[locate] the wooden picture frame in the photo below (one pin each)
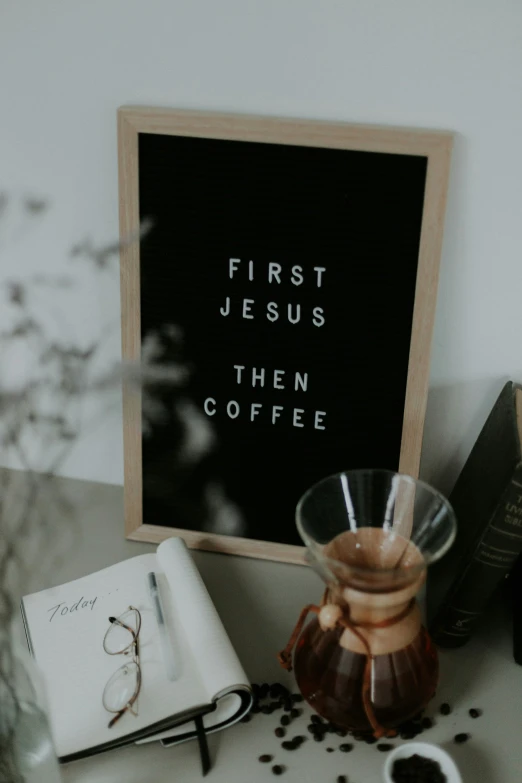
(434, 145)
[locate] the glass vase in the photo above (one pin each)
(365, 662)
(27, 753)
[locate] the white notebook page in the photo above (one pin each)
(212, 650)
(210, 646)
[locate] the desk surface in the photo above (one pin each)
(258, 603)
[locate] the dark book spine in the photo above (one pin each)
(516, 603)
(493, 558)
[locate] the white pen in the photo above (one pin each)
(166, 647)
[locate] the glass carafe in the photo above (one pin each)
(365, 662)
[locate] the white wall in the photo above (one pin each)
(66, 65)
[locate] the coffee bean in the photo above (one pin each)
(474, 713)
(295, 713)
(342, 732)
(427, 723)
(460, 738)
(263, 690)
(445, 709)
(280, 732)
(288, 745)
(297, 697)
(319, 737)
(370, 739)
(346, 747)
(411, 726)
(342, 779)
(409, 731)
(246, 718)
(278, 769)
(330, 750)
(384, 747)
(288, 705)
(265, 758)
(255, 689)
(285, 720)
(276, 690)
(255, 708)
(316, 719)
(267, 709)
(299, 739)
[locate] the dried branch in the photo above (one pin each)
(42, 419)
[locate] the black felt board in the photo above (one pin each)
(355, 214)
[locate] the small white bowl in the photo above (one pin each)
(447, 765)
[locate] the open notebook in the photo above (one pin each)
(65, 629)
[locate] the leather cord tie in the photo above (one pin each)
(285, 656)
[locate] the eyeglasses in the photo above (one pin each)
(122, 690)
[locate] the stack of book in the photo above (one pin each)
(487, 500)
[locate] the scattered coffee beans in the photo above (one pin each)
(418, 769)
(271, 697)
(410, 729)
(460, 738)
(277, 690)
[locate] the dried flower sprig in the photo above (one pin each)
(42, 419)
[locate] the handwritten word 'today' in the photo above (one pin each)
(62, 609)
